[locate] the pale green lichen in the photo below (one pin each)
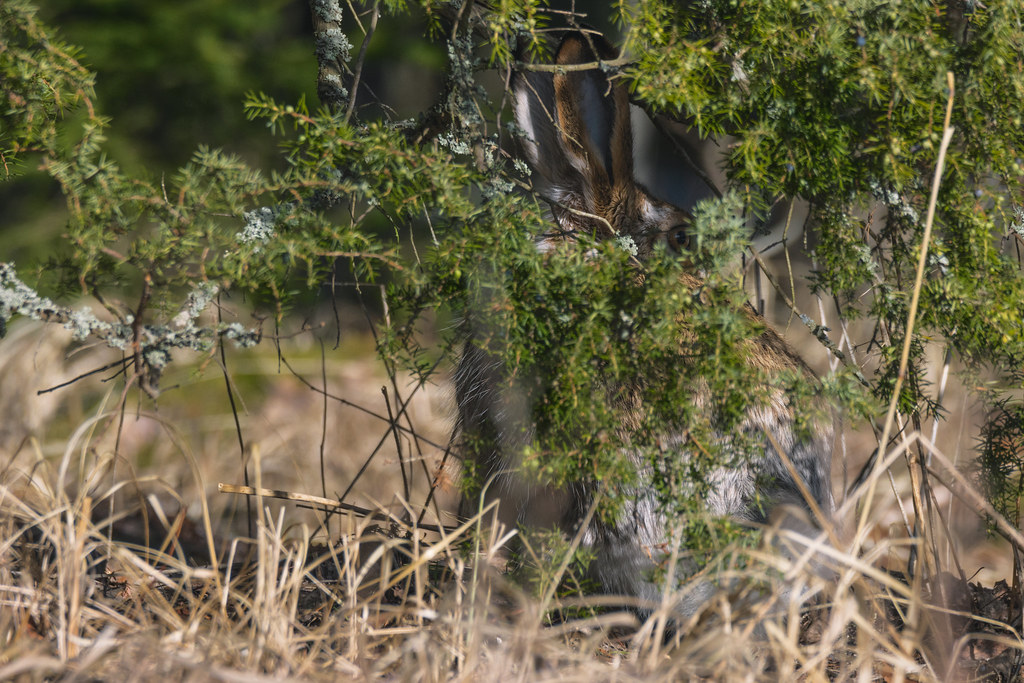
(154, 342)
(327, 10)
(332, 45)
(195, 303)
(1018, 221)
(626, 243)
(259, 228)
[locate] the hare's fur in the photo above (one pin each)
(578, 140)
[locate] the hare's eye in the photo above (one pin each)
(678, 238)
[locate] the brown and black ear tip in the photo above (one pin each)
(573, 50)
(579, 48)
(576, 130)
(594, 112)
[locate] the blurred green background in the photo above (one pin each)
(173, 75)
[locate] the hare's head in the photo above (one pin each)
(579, 140)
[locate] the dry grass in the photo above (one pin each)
(118, 560)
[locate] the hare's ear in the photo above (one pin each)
(577, 131)
(593, 116)
(535, 114)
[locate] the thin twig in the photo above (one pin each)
(566, 68)
(947, 136)
(352, 404)
(1007, 530)
(360, 62)
(323, 421)
(398, 442)
(125, 362)
(238, 424)
(328, 504)
(820, 332)
(680, 151)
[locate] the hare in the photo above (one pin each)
(579, 143)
